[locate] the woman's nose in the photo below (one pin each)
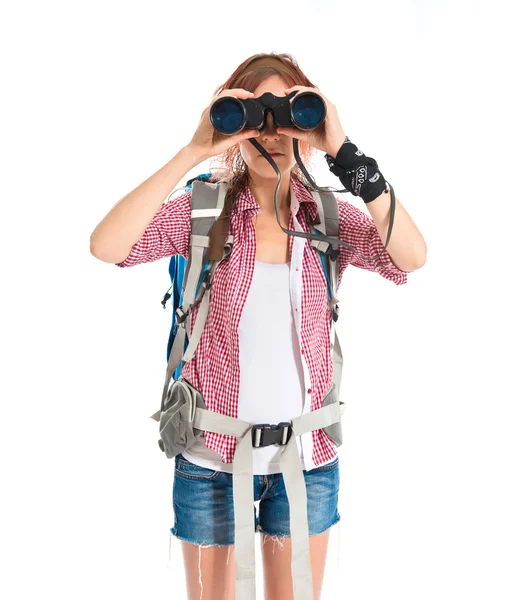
(270, 125)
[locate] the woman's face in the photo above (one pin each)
(269, 138)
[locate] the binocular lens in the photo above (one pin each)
(308, 111)
(227, 115)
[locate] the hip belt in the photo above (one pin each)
(249, 436)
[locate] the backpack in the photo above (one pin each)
(178, 263)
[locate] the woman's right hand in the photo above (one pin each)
(208, 141)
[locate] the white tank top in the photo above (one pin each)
(271, 374)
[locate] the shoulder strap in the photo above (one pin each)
(207, 202)
(177, 270)
(328, 213)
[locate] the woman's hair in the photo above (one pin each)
(231, 166)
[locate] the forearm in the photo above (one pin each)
(407, 248)
(126, 222)
(359, 173)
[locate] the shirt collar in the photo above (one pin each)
(298, 191)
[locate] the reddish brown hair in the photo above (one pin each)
(231, 166)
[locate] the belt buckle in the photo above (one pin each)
(264, 434)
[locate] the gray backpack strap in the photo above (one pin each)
(207, 201)
(328, 212)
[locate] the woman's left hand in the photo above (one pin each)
(329, 136)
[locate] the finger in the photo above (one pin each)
(292, 132)
(296, 87)
(238, 93)
(248, 133)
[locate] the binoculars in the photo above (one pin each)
(230, 115)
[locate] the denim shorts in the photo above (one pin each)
(204, 506)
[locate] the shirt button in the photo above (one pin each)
(309, 390)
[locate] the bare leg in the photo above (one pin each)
(277, 569)
(209, 571)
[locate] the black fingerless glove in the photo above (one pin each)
(357, 172)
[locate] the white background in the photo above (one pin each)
(98, 96)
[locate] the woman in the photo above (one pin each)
(269, 298)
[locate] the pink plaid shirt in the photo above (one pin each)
(214, 368)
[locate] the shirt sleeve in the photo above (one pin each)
(166, 235)
(359, 230)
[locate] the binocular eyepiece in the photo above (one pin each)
(230, 115)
